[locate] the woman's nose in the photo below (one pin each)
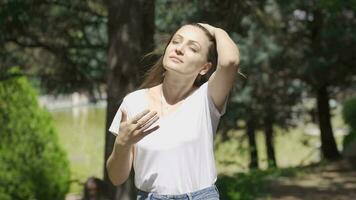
(179, 49)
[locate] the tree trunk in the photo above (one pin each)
(250, 131)
(130, 27)
(268, 129)
(147, 36)
(328, 144)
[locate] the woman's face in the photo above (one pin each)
(187, 52)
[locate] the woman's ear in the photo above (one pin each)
(205, 68)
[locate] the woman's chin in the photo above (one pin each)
(172, 66)
(174, 69)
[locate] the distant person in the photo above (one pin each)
(94, 189)
(165, 129)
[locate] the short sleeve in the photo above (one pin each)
(115, 124)
(214, 110)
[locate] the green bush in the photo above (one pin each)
(349, 116)
(349, 113)
(242, 186)
(251, 185)
(32, 164)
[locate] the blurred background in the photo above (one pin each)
(290, 127)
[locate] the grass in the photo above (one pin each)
(292, 148)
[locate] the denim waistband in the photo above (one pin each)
(209, 191)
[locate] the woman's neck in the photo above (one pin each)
(175, 90)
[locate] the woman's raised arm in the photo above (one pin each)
(222, 80)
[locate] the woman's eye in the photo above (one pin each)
(194, 50)
(174, 42)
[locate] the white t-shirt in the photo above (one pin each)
(178, 157)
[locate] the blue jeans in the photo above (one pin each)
(209, 193)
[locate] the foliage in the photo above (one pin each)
(308, 51)
(167, 21)
(349, 115)
(349, 112)
(267, 89)
(249, 186)
(32, 164)
(320, 40)
(60, 43)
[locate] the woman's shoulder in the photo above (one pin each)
(140, 95)
(202, 89)
(135, 95)
(135, 102)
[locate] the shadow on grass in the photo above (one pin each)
(249, 186)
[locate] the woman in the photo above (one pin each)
(166, 128)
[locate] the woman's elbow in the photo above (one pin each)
(116, 182)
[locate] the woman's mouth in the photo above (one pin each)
(175, 59)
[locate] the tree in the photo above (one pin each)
(320, 35)
(61, 44)
(130, 33)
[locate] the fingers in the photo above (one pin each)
(209, 27)
(139, 116)
(151, 116)
(149, 123)
(142, 131)
(143, 134)
(148, 131)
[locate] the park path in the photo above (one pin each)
(336, 181)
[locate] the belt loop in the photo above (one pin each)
(150, 196)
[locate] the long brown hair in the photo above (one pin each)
(154, 76)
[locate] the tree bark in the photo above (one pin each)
(328, 144)
(130, 33)
(147, 36)
(250, 131)
(268, 129)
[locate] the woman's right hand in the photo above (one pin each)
(132, 131)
